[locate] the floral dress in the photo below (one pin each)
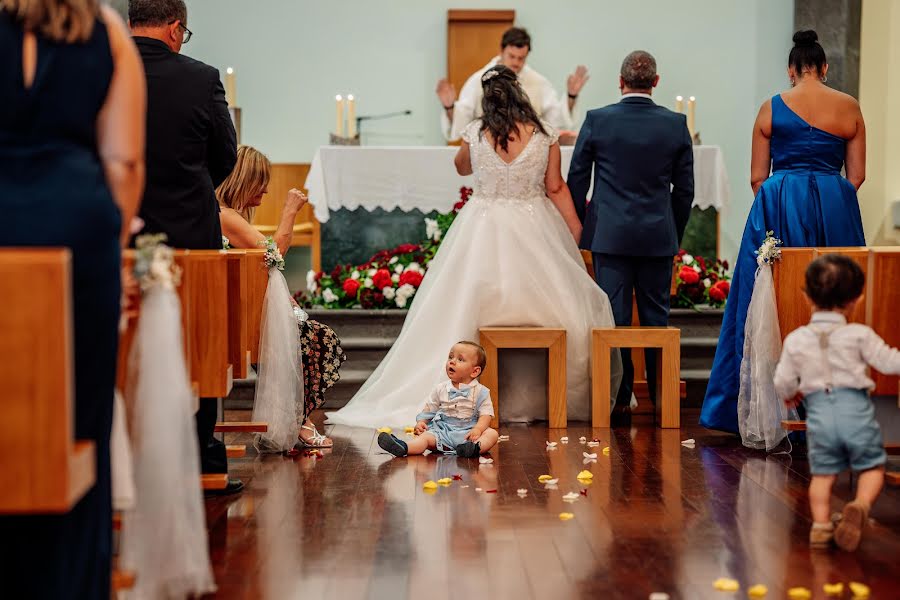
(322, 360)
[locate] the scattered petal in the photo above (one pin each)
(583, 492)
(545, 478)
(552, 482)
(758, 591)
(593, 444)
(551, 445)
(522, 492)
(564, 439)
(457, 477)
(689, 443)
(445, 481)
(430, 491)
(606, 451)
(659, 596)
(858, 590)
(566, 516)
(571, 497)
(586, 455)
(409, 430)
(464, 487)
(588, 461)
(723, 584)
(582, 439)
(385, 430)
(585, 477)
(799, 593)
(477, 489)
(503, 438)
(491, 492)
(551, 486)
(833, 589)
(429, 485)
(596, 440)
(485, 460)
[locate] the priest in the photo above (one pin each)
(514, 49)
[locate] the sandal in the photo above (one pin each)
(316, 440)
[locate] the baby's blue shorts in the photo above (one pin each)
(842, 432)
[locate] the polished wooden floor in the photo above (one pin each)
(658, 517)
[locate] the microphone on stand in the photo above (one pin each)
(401, 113)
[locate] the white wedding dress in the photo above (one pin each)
(508, 260)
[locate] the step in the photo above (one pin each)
(216, 481)
(788, 425)
(236, 451)
(241, 426)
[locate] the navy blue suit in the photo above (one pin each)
(642, 160)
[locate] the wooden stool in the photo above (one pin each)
(668, 339)
(554, 340)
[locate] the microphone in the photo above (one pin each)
(401, 113)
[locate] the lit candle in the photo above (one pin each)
(679, 104)
(339, 121)
(230, 87)
(351, 116)
(692, 115)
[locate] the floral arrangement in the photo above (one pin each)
(154, 262)
(226, 243)
(769, 251)
(389, 279)
(699, 281)
(273, 258)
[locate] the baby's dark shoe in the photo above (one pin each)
(392, 444)
(468, 449)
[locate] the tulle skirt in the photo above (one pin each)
(503, 263)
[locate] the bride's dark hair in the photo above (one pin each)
(505, 106)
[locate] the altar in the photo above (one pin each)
(423, 178)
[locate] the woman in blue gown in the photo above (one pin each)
(805, 135)
(71, 173)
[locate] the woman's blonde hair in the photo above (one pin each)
(68, 21)
(250, 175)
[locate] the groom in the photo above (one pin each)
(643, 165)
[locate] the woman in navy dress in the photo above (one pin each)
(72, 94)
(805, 136)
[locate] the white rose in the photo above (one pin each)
(371, 272)
(389, 293)
(354, 275)
(406, 290)
(328, 296)
(687, 259)
(707, 283)
(696, 268)
(398, 269)
(400, 301)
(311, 281)
(368, 282)
(393, 260)
(432, 231)
(395, 278)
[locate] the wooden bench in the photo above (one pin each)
(667, 339)
(43, 470)
(553, 340)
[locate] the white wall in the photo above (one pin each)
(292, 56)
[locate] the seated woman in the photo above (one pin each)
(238, 196)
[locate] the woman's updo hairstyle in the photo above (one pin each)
(505, 106)
(807, 55)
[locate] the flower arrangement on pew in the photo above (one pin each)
(389, 279)
(273, 258)
(700, 281)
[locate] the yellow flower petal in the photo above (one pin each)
(859, 590)
(799, 593)
(758, 591)
(430, 491)
(429, 485)
(833, 589)
(385, 430)
(409, 430)
(544, 478)
(566, 516)
(606, 451)
(586, 475)
(445, 481)
(723, 584)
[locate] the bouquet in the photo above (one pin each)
(699, 281)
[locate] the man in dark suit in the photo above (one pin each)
(643, 165)
(191, 149)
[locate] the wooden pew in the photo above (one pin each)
(42, 468)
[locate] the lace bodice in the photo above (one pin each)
(522, 179)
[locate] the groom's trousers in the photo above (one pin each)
(649, 279)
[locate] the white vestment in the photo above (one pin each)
(548, 105)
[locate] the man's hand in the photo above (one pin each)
(421, 426)
(474, 434)
(446, 93)
(577, 80)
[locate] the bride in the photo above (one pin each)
(510, 259)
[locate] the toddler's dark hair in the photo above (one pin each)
(479, 351)
(834, 281)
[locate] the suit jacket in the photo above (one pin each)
(191, 147)
(643, 166)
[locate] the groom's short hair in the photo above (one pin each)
(639, 70)
(516, 36)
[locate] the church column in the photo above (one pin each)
(838, 24)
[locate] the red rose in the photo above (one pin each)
(336, 273)
(689, 275)
(381, 279)
(413, 278)
(682, 252)
(724, 286)
(458, 206)
(405, 248)
(702, 262)
(351, 286)
(716, 294)
(320, 275)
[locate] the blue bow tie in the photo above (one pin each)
(459, 393)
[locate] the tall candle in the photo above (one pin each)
(339, 120)
(351, 116)
(230, 87)
(692, 115)
(679, 104)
